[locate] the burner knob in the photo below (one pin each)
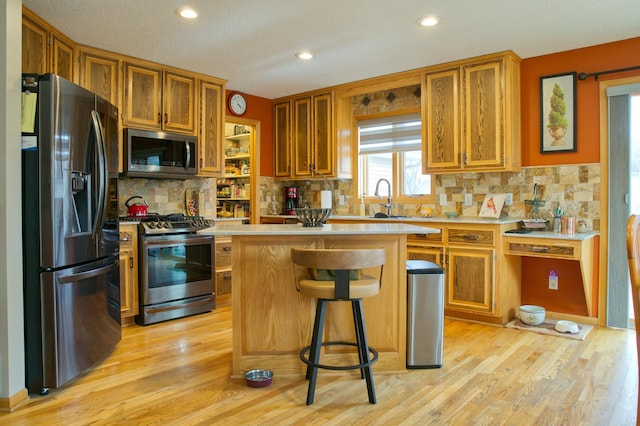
(151, 225)
(168, 225)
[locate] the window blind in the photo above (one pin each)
(390, 134)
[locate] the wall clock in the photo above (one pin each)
(237, 103)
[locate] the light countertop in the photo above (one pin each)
(335, 229)
(578, 236)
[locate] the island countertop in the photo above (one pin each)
(326, 230)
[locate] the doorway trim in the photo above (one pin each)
(604, 193)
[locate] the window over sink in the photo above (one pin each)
(390, 148)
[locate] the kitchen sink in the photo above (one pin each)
(386, 216)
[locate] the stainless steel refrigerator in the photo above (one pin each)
(70, 230)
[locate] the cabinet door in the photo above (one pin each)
(142, 96)
(34, 47)
(441, 132)
(211, 129)
(100, 75)
(323, 134)
(178, 103)
(470, 279)
(302, 149)
(282, 136)
(61, 58)
(483, 134)
(128, 271)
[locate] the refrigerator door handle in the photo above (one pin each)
(101, 208)
(72, 278)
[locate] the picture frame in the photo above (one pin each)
(558, 113)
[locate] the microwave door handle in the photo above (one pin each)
(187, 150)
(102, 171)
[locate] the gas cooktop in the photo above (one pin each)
(175, 223)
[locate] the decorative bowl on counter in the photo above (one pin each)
(451, 215)
(258, 378)
(312, 218)
(532, 314)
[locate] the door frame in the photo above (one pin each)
(604, 193)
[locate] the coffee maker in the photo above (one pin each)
(291, 195)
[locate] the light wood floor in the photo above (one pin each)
(177, 373)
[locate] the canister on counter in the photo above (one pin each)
(568, 225)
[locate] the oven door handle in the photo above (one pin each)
(172, 240)
(155, 310)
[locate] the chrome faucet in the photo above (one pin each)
(377, 194)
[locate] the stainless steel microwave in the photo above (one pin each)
(157, 154)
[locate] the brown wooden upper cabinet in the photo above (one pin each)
(211, 132)
(44, 49)
(304, 136)
(100, 73)
(471, 115)
(158, 99)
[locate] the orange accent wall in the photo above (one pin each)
(603, 57)
(621, 54)
(261, 109)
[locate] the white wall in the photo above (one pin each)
(11, 313)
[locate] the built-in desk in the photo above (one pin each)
(575, 247)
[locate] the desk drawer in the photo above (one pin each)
(556, 249)
(470, 236)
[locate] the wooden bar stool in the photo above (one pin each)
(331, 275)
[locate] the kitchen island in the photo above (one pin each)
(272, 321)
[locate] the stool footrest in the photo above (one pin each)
(304, 357)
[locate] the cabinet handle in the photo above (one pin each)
(464, 158)
(470, 237)
(540, 249)
(227, 249)
(130, 262)
(227, 276)
(159, 118)
(166, 118)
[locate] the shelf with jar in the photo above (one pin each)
(234, 189)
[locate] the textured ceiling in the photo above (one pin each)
(251, 43)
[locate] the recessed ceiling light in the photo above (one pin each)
(428, 21)
(305, 56)
(187, 12)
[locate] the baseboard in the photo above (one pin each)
(13, 402)
(575, 318)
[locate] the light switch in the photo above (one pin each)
(443, 199)
(508, 200)
(468, 199)
(341, 200)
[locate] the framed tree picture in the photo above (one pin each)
(558, 113)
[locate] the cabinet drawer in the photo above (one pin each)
(421, 238)
(223, 283)
(470, 236)
(223, 254)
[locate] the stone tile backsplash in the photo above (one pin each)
(573, 188)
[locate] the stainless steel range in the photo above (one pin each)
(175, 268)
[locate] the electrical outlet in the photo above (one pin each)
(341, 200)
(553, 281)
(508, 200)
(468, 199)
(443, 199)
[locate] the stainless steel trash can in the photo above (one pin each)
(425, 314)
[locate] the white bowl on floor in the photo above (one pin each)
(563, 326)
(532, 314)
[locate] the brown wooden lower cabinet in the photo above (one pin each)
(223, 271)
(481, 282)
(128, 273)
